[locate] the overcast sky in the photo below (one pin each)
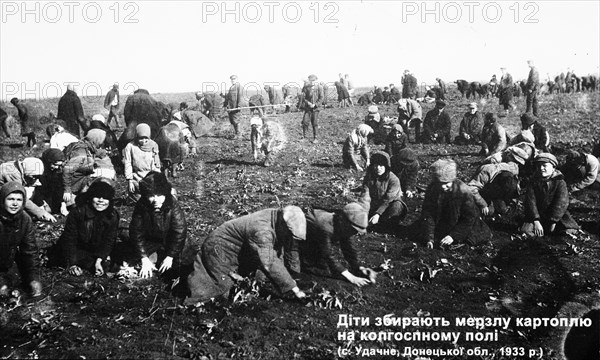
(180, 46)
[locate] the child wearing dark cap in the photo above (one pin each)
(323, 229)
(90, 230)
(405, 166)
(449, 214)
(547, 200)
(50, 193)
(158, 225)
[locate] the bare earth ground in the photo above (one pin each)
(90, 317)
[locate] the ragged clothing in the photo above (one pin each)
(257, 240)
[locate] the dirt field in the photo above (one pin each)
(90, 317)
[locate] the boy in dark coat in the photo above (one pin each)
(233, 100)
(158, 225)
(547, 200)
(323, 229)
(311, 98)
(52, 188)
(17, 241)
(449, 214)
(383, 189)
(406, 167)
(437, 125)
(257, 241)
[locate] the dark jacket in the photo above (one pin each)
(471, 124)
(89, 230)
(548, 200)
(383, 190)
(409, 86)
(167, 227)
(439, 123)
(342, 91)
(453, 213)
(71, 111)
(208, 103)
(26, 123)
(52, 188)
(442, 89)
(234, 98)
(506, 89)
(17, 242)
(310, 95)
(255, 241)
(541, 137)
(320, 237)
(393, 144)
(406, 173)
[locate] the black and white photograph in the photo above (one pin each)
(309, 180)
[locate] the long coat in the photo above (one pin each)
(409, 86)
(71, 111)
(90, 231)
(251, 240)
(453, 214)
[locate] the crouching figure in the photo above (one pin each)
(449, 213)
(265, 137)
(17, 241)
(252, 242)
(547, 200)
(324, 229)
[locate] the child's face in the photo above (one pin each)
(546, 169)
(56, 165)
(446, 186)
(157, 201)
(143, 140)
(100, 203)
(13, 203)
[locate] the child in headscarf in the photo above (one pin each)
(90, 230)
(140, 157)
(17, 240)
(158, 225)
